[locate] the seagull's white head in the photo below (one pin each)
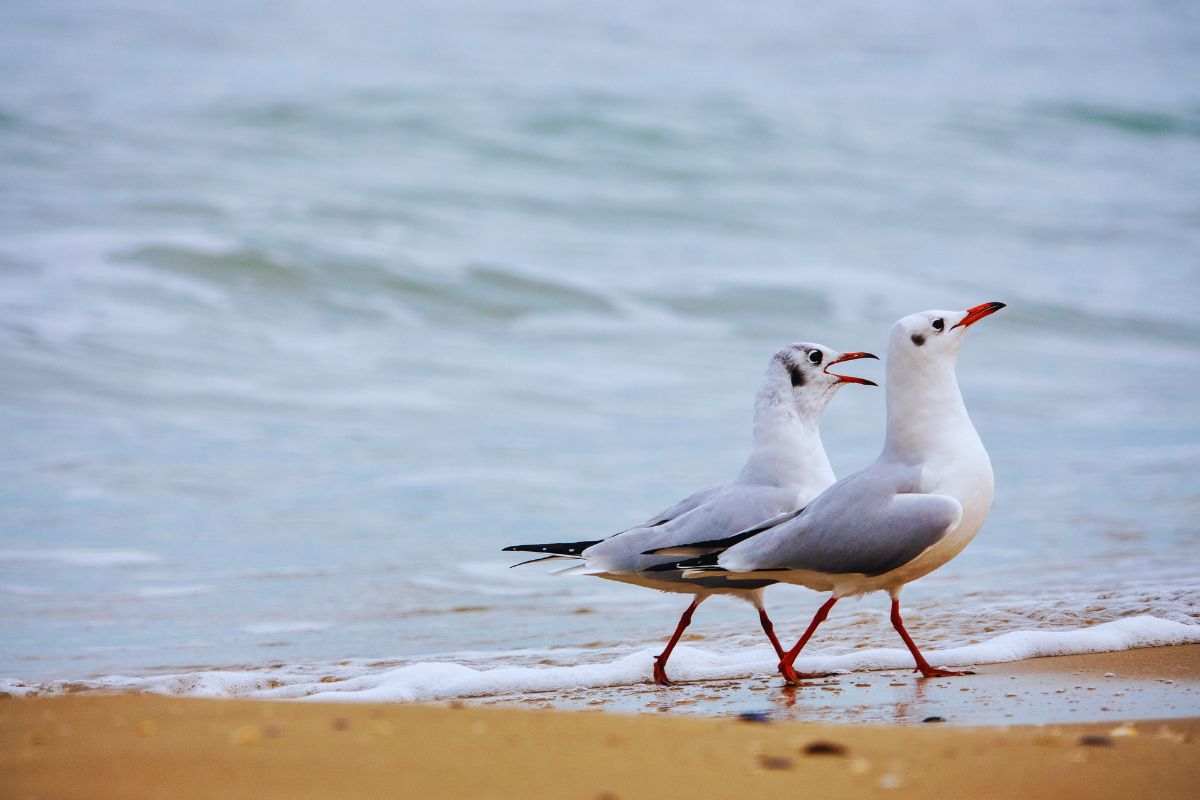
(931, 336)
(787, 416)
(806, 366)
(924, 405)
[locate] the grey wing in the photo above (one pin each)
(867, 535)
(682, 507)
(734, 507)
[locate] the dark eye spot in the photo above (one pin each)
(918, 339)
(815, 356)
(797, 375)
(939, 323)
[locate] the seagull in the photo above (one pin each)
(915, 508)
(787, 468)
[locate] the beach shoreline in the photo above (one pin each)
(121, 745)
(1140, 683)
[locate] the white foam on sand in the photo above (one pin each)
(439, 681)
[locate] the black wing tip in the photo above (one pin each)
(708, 562)
(714, 544)
(551, 548)
(711, 544)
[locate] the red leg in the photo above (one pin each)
(769, 629)
(922, 665)
(660, 660)
(789, 658)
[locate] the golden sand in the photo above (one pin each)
(137, 746)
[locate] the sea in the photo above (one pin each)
(307, 309)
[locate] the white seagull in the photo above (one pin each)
(910, 512)
(786, 469)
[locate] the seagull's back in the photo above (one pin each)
(732, 506)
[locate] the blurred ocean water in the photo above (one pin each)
(306, 310)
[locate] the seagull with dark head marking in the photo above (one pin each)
(907, 514)
(786, 469)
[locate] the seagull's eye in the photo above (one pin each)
(814, 357)
(939, 324)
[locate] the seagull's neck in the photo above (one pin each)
(787, 441)
(926, 417)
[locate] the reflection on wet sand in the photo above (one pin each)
(1138, 684)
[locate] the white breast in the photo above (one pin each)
(968, 479)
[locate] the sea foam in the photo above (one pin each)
(428, 681)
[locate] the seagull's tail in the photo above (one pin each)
(543, 558)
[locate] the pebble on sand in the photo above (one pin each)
(824, 748)
(1095, 740)
(775, 762)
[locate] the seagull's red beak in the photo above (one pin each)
(850, 378)
(977, 313)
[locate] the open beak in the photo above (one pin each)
(977, 313)
(850, 378)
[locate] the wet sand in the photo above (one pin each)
(99, 746)
(1153, 682)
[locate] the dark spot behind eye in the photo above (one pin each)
(797, 375)
(918, 339)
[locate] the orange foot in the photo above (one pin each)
(936, 672)
(791, 676)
